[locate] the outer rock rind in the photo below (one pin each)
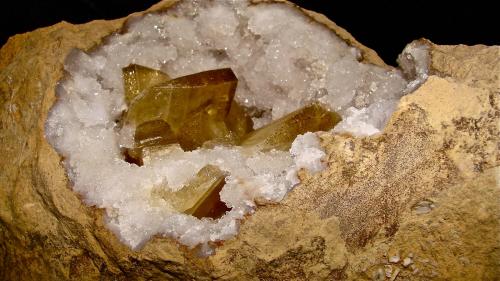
(456, 240)
(337, 225)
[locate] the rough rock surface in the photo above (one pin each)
(419, 201)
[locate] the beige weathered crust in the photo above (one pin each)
(441, 145)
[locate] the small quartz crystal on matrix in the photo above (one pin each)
(181, 123)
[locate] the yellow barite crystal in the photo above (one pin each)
(200, 197)
(280, 133)
(137, 78)
(238, 121)
(154, 133)
(176, 100)
(189, 110)
(204, 126)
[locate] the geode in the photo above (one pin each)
(289, 75)
(414, 199)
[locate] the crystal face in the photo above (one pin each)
(149, 134)
(281, 133)
(175, 100)
(204, 125)
(200, 197)
(137, 78)
(238, 121)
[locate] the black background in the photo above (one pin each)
(385, 26)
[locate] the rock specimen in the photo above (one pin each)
(425, 189)
(286, 85)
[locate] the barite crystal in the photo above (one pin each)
(239, 121)
(175, 100)
(281, 133)
(200, 197)
(204, 126)
(137, 78)
(201, 109)
(199, 104)
(150, 134)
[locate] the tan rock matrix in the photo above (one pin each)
(419, 201)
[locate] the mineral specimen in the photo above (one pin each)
(283, 61)
(441, 144)
(206, 111)
(212, 121)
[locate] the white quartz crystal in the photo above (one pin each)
(307, 154)
(283, 61)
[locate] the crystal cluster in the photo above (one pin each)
(285, 65)
(197, 109)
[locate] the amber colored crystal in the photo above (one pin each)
(176, 100)
(238, 121)
(137, 78)
(133, 155)
(200, 197)
(149, 134)
(281, 133)
(203, 126)
(152, 133)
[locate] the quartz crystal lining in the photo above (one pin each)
(283, 62)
